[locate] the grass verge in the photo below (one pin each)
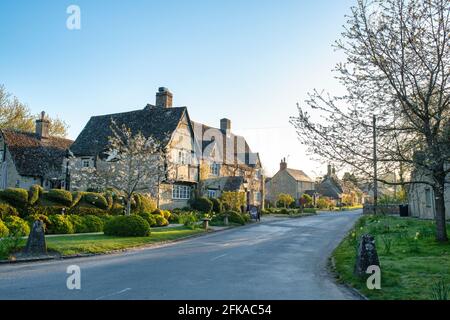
(91, 244)
(413, 265)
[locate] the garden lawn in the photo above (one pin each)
(412, 262)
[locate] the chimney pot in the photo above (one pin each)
(283, 164)
(42, 126)
(164, 98)
(225, 125)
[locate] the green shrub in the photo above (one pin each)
(4, 231)
(166, 214)
(217, 205)
(15, 196)
(174, 218)
(17, 226)
(105, 218)
(117, 209)
(60, 224)
(143, 203)
(45, 210)
(96, 199)
(76, 197)
(161, 221)
(235, 217)
(284, 211)
(7, 210)
(127, 226)
(157, 212)
(233, 200)
(77, 223)
(188, 219)
(59, 196)
(109, 199)
(309, 210)
(9, 245)
(92, 224)
(34, 193)
(202, 204)
(87, 211)
(150, 218)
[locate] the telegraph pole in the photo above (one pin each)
(375, 174)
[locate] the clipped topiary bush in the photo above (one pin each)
(96, 199)
(60, 224)
(150, 218)
(87, 211)
(59, 196)
(4, 231)
(202, 204)
(217, 205)
(17, 226)
(76, 197)
(45, 210)
(7, 210)
(77, 223)
(174, 218)
(160, 221)
(34, 193)
(17, 197)
(127, 226)
(92, 224)
(166, 214)
(109, 199)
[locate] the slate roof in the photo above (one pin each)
(33, 156)
(225, 183)
(333, 187)
(299, 175)
(241, 148)
(157, 122)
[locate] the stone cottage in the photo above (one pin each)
(288, 181)
(184, 140)
(29, 158)
(228, 164)
(338, 190)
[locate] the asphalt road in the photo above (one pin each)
(280, 258)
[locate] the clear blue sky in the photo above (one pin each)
(248, 60)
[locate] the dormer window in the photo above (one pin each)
(86, 163)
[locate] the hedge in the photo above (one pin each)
(87, 211)
(7, 210)
(17, 226)
(34, 193)
(59, 196)
(96, 199)
(60, 224)
(4, 231)
(161, 221)
(127, 226)
(202, 204)
(45, 210)
(86, 224)
(32, 218)
(235, 217)
(15, 196)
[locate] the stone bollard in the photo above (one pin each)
(225, 220)
(206, 224)
(367, 255)
(36, 244)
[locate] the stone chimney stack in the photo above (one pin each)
(225, 125)
(164, 98)
(329, 170)
(283, 164)
(42, 126)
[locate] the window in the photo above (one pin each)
(212, 193)
(215, 169)
(181, 192)
(182, 157)
(86, 163)
(428, 197)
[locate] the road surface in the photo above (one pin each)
(280, 258)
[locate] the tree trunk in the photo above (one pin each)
(128, 212)
(439, 201)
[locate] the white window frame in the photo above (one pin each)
(215, 169)
(84, 162)
(212, 193)
(181, 192)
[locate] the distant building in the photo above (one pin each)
(288, 181)
(338, 190)
(28, 158)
